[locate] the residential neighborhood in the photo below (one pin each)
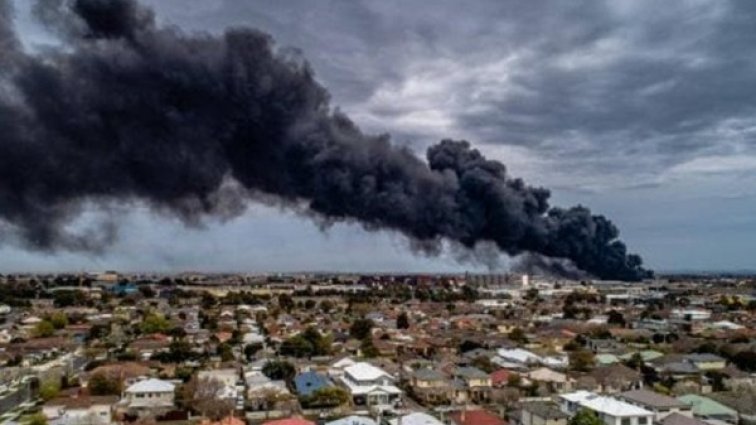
(375, 349)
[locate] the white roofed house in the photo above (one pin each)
(80, 410)
(149, 397)
(517, 358)
(610, 410)
(370, 385)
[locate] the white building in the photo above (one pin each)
(690, 314)
(370, 385)
(517, 356)
(353, 420)
(95, 410)
(415, 418)
(149, 396)
(609, 409)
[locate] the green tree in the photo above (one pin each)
(59, 320)
(581, 360)
(585, 417)
(484, 363)
(296, 346)
(361, 328)
(179, 351)
(328, 397)
(285, 302)
(101, 384)
(615, 318)
(402, 321)
(154, 323)
(279, 370)
(49, 390)
(518, 335)
(35, 419)
(208, 300)
(43, 329)
(326, 306)
(251, 349)
(368, 349)
(225, 352)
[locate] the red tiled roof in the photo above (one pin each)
(500, 377)
(476, 417)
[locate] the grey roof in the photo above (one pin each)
(680, 367)
(679, 419)
(471, 373)
(544, 410)
(704, 357)
(427, 374)
(651, 398)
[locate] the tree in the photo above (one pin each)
(361, 328)
(208, 300)
(279, 370)
(98, 331)
(36, 419)
(328, 397)
(585, 417)
(402, 322)
(635, 361)
(518, 335)
(531, 294)
(147, 291)
(208, 396)
(251, 349)
(154, 323)
(483, 363)
(59, 320)
(615, 318)
(101, 384)
(581, 360)
(326, 306)
(368, 349)
(225, 352)
(49, 390)
(296, 346)
(43, 329)
(285, 302)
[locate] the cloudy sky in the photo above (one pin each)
(644, 113)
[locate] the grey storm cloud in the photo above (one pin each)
(197, 125)
(616, 86)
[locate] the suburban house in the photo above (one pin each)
(80, 410)
(542, 413)
(662, 405)
(555, 381)
(370, 385)
(431, 386)
(475, 381)
(148, 397)
(474, 417)
(610, 410)
(707, 409)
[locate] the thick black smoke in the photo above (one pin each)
(128, 111)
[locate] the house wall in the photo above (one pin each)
(151, 399)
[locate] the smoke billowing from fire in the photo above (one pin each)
(197, 125)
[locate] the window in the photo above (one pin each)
(625, 421)
(642, 421)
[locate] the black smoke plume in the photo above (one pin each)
(128, 111)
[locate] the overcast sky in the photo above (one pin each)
(643, 113)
